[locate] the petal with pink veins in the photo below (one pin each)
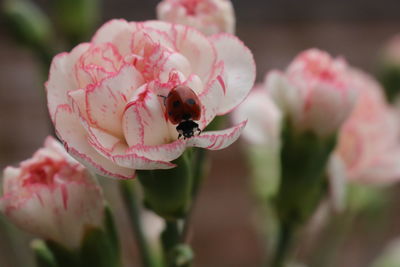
(239, 69)
(165, 152)
(105, 103)
(141, 163)
(192, 44)
(216, 140)
(144, 120)
(210, 100)
(195, 83)
(174, 62)
(97, 63)
(75, 141)
(210, 140)
(78, 101)
(116, 150)
(108, 32)
(62, 77)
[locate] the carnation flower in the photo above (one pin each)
(52, 196)
(315, 92)
(106, 98)
(208, 16)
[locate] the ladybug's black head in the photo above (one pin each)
(187, 128)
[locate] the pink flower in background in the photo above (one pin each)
(52, 196)
(369, 141)
(104, 96)
(208, 16)
(264, 118)
(314, 92)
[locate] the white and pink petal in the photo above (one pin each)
(144, 120)
(62, 77)
(216, 140)
(239, 69)
(106, 102)
(74, 138)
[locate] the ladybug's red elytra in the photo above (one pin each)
(182, 108)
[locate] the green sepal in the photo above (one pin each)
(201, 167)
(169, 192)
(63, 256)
(43, 256)
(264, 162)
(99, 248)
(77, 18)
(304, 157)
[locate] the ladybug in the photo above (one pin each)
(183, 108)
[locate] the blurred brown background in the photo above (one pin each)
(275, 30)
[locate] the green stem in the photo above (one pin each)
(171, 235)
(282, 252)
(129, 197)
(176, 253)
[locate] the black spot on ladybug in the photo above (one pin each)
(190, 101)
(186, 116)
(176, 104)
(170, 113)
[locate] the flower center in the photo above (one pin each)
(42, 172)
(191, 6)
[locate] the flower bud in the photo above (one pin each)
(53, 197)
(315, 92)
(207, 16)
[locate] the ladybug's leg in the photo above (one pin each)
(179, 136)
(199, 130)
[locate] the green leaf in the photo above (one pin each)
(77, 18)
(27, 22)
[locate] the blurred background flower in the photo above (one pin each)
(52, 196)
(369, 141)
(208, 16)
